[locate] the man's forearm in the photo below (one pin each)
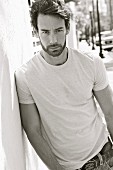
(109, 121)
(44, 151)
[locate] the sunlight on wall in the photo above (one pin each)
(15, 36)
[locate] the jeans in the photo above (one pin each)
(105, 165)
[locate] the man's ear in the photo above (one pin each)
(68, 29)
(37, 34)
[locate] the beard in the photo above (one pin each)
(55, 49)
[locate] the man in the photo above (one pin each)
(57, 90)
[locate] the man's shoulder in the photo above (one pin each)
(20, 74)
(21, 70)
(85, 55)
(26, 66)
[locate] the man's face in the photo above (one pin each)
(52, 33)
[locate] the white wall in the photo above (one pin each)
(15, 48)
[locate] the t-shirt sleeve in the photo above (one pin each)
(23, 92)
(101, 78)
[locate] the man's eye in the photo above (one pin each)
(45, 32)
(60, 30)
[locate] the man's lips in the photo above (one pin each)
(54, 47)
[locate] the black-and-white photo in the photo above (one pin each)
(56, 85)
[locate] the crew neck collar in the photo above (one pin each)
(55, 66)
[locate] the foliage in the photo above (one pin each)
(82, 16)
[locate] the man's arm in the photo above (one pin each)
(105, 100)
(31, 124)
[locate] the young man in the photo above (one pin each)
(56, 91)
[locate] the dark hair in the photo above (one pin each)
(49, 7)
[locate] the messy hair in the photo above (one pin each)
(49, 7)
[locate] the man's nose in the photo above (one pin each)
(53, 38)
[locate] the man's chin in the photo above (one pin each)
(55, 53)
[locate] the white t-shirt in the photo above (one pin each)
(63, 94)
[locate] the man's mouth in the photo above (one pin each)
(54, 47)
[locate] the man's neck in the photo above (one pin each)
(59, 60)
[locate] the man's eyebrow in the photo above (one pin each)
(59, 28)
(55, 29)
(44, 30)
